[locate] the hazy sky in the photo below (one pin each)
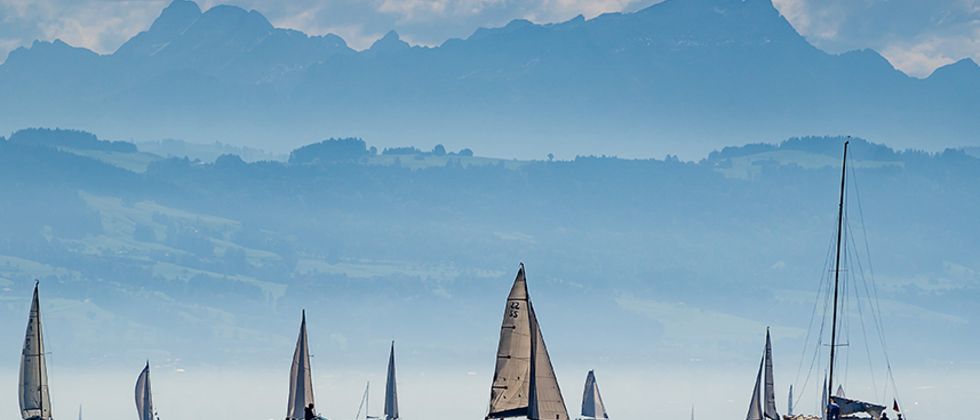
(916, 35)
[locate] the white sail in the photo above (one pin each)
(545, 401)
(770, 389)
(300, 377)
(35, 402)
(144, 395)
(755, 404)
(592, 406)
(524, 382)
(391, 388)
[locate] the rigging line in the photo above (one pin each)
(813, 314)
(845, 328)
(814, 361)
(864, 332)
(876, 302)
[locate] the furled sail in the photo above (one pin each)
(300, 377)
(592, 406)
(391, 388)
(848, 406)
(789, 403)
(770, 390)
(144, 396)
(755, 404)
(524, 382)
(35, 402)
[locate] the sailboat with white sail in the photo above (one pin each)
(592, 405)
(35, 402)
(144, 395)
(758, 410)
(301, 405)
(524, 381)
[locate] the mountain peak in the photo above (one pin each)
(176, 17)
(390, 42)
(229, 17)
(173, 21)
(966, 69)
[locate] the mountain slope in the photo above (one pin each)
(682, 76)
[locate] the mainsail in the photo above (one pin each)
(770, 390)
(756, 411)
(35, 403)
(592, 406)
(391, 389)
(300, 378)
(524, 382)
(144, 396)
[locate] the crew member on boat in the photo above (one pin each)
(310, 413)
(833, 411)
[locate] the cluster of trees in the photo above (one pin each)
(352, 149)
(73, 139)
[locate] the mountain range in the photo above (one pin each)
(681, 76)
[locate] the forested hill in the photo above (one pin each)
(230, 250)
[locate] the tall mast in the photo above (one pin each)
(840, 225)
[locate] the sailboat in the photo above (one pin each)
(391, 388)
(524, 382)
(300, 378)
(391, 394)
(35, 403)
(592, 405)
(756, 411)
(144, 395)
(846, 408)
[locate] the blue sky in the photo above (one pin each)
(915, 35)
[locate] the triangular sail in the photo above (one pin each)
(755, 404)
(770, 389)
(592, 406)
(524, 382)
(509, 392)
(144, 396)
(300, 377)
(544, 397)
(391, 388)
(35, 402)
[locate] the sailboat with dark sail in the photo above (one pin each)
(524, 381)
(391, 388)
(391, 395)
(35, 402)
